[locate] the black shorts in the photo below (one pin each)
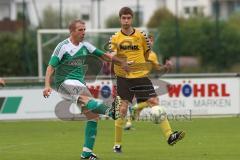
(141, 88)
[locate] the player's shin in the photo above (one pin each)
(98, 107)
(137, 108)
(164, 125)
(140, 106)
(90, 135)
(118, 130)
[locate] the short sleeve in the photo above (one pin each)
(146, 42)
(113, 43)
(93, 50)
(57, 55)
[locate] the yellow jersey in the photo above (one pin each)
(133, 48)
(153, 60)
(153, 57)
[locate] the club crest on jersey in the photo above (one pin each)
(84, 52)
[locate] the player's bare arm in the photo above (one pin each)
(166, 67)
(47, 90)
(118, 61)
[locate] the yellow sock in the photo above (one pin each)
(140, 106)
(118, 130)
(166, 129)
(129, 120)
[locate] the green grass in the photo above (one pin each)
(206, 139)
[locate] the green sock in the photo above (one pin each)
(90, 135)
(98, 107)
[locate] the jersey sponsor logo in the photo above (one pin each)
(76, 62)
(129, 47)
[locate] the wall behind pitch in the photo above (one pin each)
(196, 96)
(29, 103)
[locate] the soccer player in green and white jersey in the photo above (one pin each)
(68, 63)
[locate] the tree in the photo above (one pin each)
(13, 62)
(50, 18)
(69, 16)
(160, 15)
(112, 21)
(198, 39)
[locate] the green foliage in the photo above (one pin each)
(113, 21)
(51, 18)
(68, 17)
(159, 16)
(218, 51)
(234, 20)
(10, 55)
(18, 58)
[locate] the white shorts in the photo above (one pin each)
(71, 89)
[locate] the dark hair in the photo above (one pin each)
(150, 35)
(125, 10)
(72, 25)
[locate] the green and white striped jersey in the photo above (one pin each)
(69, 60)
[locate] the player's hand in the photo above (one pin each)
(2, 82)
(47, 91)
(168, 66)
(125, 66)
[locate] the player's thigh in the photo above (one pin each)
(143, 89)
(123, 89)
(153, 101)
(71, 89)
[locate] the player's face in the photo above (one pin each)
(126, 21)
(151, 40)
(79, 31)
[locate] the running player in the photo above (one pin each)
(133, 45)
(134, 110)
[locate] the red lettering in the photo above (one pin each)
(198, 89)
(94, 90)
(174, 90)
(212, 89)
(224, 92)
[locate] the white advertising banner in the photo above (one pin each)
(27, 103)
(202, 96)
(195, 96)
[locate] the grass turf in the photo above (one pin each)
(206, 139)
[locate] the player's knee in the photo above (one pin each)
(153, 101)
(91, 116)
(124, 108)
(119, 122)
(123, 111)
(82, 100)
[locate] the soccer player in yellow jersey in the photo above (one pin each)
(133, 45)
(153, 59)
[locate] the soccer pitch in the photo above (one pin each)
(206, 139)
